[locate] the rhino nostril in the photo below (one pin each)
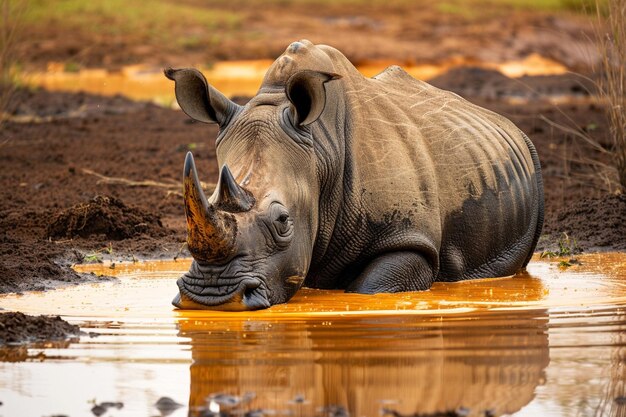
(255, 297)
(248, 293)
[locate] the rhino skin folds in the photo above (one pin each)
(332, 180)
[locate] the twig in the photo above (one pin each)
(180, 251)
(144, 183)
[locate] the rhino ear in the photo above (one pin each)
(198, 99)
(306, 92)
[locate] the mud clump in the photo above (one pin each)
(106, 216)
(477, 82)
(18, 328)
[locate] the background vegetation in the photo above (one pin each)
(11, 13)
(611, 40)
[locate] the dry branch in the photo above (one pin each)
(171, 187)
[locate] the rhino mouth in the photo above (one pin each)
(247, 293)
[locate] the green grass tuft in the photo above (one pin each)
(566, 247)
(473, 8)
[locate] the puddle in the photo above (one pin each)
(550, 342)
(244, 77)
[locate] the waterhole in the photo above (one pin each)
(549, 342)
(243, 78)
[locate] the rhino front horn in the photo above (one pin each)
(211, 233)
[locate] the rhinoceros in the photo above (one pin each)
(332, 180)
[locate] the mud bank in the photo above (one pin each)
(18, 328)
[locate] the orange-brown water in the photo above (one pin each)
(243, 77)
(550, 342)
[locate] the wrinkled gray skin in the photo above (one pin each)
(333, 180)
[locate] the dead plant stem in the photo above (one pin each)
(103, 179)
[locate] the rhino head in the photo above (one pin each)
(252, 239)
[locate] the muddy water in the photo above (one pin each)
(244, 77)
(550, 342)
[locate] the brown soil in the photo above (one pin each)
(49, 166)
(106, 216)
(604, 221)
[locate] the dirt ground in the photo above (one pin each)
(85, 178)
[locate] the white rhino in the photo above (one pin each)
(330, 179)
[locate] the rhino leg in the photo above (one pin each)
(394, 272)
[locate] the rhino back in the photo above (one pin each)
(446, 171)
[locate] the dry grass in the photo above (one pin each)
(602, 163)
(587, 161)
(11, 12)
(611, 40)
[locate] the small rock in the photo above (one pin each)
(335, 411)
(109, 404)
(255, 413)
(298, 399)
(98, 410)
(166, 405)
(208, 413)
(463, 412)
(224, 400)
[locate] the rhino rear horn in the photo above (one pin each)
(306, 92)
(211, 233)
(198, 99)
(230, 196)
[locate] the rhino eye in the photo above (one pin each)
(282, 225)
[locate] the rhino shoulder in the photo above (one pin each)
(395, 79)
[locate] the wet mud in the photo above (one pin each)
(107, 217)
(490, 84)
(17, 328)
(604, 220)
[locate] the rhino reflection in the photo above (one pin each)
(412, 364)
